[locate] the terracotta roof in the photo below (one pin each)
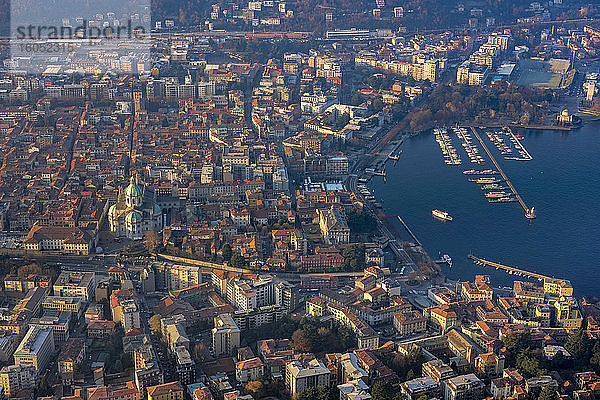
(165, 388)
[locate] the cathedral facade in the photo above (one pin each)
(135, 213)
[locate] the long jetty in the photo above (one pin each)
(509, 269)
(412, 235)
(528, 212)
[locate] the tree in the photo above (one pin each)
(580, 347)
(528, 364)
(44, 388)
(342, 120)
(354, 257)
(29, 269)
(152, 241)
(226, 252)
(548, 393)
(384, 391)
(154, 323)
(301, 342)
(516, 343)
(347, 337)
(307, 394)
(200, 351)
(595, 360)
(237, 261)
(361, 222)
(255, 388)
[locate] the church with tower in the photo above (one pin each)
(135, 213)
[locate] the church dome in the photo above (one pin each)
(133, 217)
(133, 189)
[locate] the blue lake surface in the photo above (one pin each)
(562, 181)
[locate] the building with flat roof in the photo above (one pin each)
(225, 334)
(147, 371)
(59, 303)
(354, 390)
(14, 378)
(437, 370)
(36, 348)
(300, 376)
(186, 368)
(75, 284)
(176, 276)
(415, 388)
(464, 387)
(94, 312)
(58, 321)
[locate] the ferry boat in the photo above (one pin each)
(441, 215)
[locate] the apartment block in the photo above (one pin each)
(225, 334)
(36, 348)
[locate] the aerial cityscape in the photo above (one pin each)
(300, 199)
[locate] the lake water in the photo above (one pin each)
(562, 181)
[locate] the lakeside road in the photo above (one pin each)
(352, 181)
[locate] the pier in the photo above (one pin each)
(529, 212)
(509, 269)
(394, 150)
(517, 141)
(412, 235)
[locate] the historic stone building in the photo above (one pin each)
(135, 213)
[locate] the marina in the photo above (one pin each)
(529, 212)
(442, 138)
(496, 230)
(508, 144)
(505, 141)
(467, 143)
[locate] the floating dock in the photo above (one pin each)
(529, 212)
